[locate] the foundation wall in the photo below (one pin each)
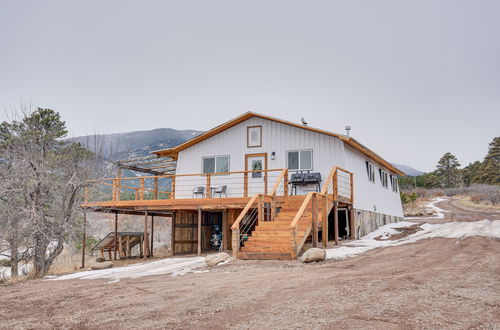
(368, 221)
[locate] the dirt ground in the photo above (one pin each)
(434, 283)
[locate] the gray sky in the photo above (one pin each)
(414, 79)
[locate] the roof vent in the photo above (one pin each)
(347, 130)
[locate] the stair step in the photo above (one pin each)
(263, 256)
(270, 233)
(268, 249)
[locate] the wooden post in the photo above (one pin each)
(84, 237)
(172, 194)
(141, 192)
(172, 235)
(224, 229)
(120, 249)
(102, 253)
(208, 191)
(141, 252)
(109, 254)
(118, 184)
(245, 184)
(199, 231)
(324, 230)
(265, 182)
(116, 233)
(336, 221)
(146, 238)
(314, 218)
(113, 191)
(285, 182)
(336, 186)
(152, 234)
(260, 210)
(352, 223)
(127, 243)
(155, 196)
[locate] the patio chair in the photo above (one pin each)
(199, 191)
(221, 190)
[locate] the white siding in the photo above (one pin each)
(280, 138)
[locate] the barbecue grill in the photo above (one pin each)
(304, 179)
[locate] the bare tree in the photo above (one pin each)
(47, 176)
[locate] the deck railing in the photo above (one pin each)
(209, 185)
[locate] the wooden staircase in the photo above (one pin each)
(277, 226)
(273, 239)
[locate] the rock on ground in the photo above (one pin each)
(102, 265)
(313, 254)
(214, 259)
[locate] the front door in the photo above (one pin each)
(255, 180)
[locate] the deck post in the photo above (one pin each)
(324, 229)
(146, 239)
(141, 245)
(285, 183)
(116, 234)
(120, 249)
(208, 190)
(119, 184)
(152, 232)
(224, 229)
(314, 218)
(155, 196)
(84, 238)
(336, 221)
(352, 223)
(199, 231)
(172, 235)
(127, 242)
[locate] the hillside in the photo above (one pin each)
(137, 143)
(409, 171)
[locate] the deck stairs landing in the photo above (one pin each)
(273, 239)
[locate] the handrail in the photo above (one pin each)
(301, 210)
(236, 223)
(329, 180)
(283, 176)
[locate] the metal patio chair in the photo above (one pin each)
(199, 191)
(221, 190)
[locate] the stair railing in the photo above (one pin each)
(242, 224)
(281, 186)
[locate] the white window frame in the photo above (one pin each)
(384, 178)
(370, 171)
(394, 183)
(299, 151)
(215, 165)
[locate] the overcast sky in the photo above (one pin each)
(414, 79)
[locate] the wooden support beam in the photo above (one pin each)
(336, 221)
(224, 229)
(102, 253)
(352, 223)
(156, 188)
(324, 229)
(172, 235)
(84, 238)
(152, 234)
(314, 219)
(208, 191)
(199, 231)
(120, 245)
(116, 234)
(109, 254)
(141, 191)
(141, 247)
(127, 242)
(146, 239)
(118, 184)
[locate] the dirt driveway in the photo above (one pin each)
(435, 283)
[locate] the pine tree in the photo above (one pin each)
(447, 169)
(490, 168)
(471, 172)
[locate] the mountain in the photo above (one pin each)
(409, 171)
(137, 143)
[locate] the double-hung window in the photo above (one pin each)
(384, 178)
(394, 183)
(370, 169)
(299, 160)
(216, 164)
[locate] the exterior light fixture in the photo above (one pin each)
(273, 155)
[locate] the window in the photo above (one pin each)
(384, 178)
(370, 169)
(299, 160)
(218, 164)
(394, 183)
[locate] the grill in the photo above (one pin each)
(304, 179)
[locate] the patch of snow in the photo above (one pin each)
(432, 205)
(173, 266)
(485, 228)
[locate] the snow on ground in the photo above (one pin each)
(432, 205)
(173, 266)
(486, 228)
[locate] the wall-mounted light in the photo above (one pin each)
(273, 155)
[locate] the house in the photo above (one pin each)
(263, 185)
